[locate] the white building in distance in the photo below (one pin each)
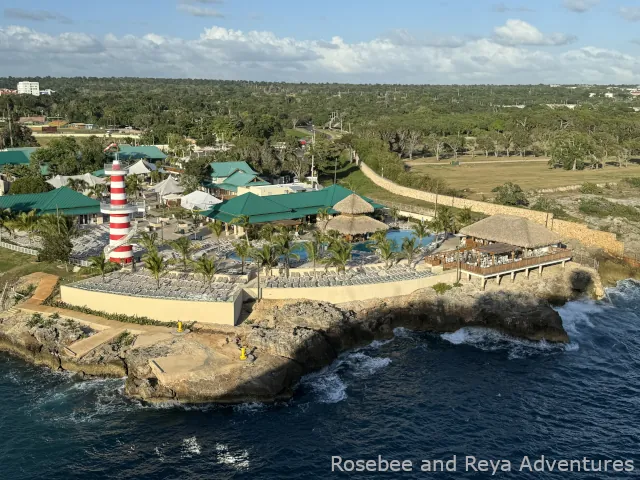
(29, 88)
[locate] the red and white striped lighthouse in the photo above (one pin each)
(119, 249)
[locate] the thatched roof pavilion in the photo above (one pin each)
(517, 231)
(353, 219)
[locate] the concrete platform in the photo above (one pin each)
(80, 348)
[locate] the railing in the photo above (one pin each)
(518, 264)
(18, 248)
(80, 262)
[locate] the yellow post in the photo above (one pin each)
(180, 329)
(243, 353)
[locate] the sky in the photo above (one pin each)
(350, 41)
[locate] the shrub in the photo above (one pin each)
(590, 188)
(633, 181)
(442, 288)
(37, 320)
(544, 204)
(601, 207)
(510, 194)
(125, 339)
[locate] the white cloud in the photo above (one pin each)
(631, 14)
(580, 6)
(261, 55)
(519, 32)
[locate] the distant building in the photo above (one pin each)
(29, 88)
(570, 106)
(592, 94)
(609, 95)
(635, 93)
(8, 91)
(48, 91)
(33, 119)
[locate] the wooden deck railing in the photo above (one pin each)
(518, 264)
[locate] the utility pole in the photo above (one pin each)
(10, 127)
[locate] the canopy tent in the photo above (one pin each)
(353, 219)
(167, 187)
(142, 167)
(63, 180)
(199, 200)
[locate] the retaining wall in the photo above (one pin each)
(165, 310)
(592, 238)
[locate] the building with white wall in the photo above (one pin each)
(29, 88)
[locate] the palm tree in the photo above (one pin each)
(98, 190)
(26, 222)
(332, 236)
(378, 237)
(285, 243)
(242, 221)
(447, 219)
(185, 248)
(437, 226)
(464, 217)
(267, 232)
(421, 231)
(323, 216)
(155, 176)
(385, 250)
(266, 257)
(409, 249)
(205, 267)
(5, 221)
(148, 240)
(216, 228)
(77, 184)
(394, 212)
(154, 262)
(339, 254)
(242, 248)
(133, 186)
(100, 263)
(312, 248)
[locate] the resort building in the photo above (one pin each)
(129, 154)
(62, 200)
(279, 189)
(29, 88)
(503, 245)
(291, 209)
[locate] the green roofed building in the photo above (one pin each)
(61, 200)
(152, 153)
(14, 157)
(226, 177)
(281, 208)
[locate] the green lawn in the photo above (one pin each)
(14, 265)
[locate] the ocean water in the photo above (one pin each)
(415, 397)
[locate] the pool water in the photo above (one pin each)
(397, 236)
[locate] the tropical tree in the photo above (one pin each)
(394, 212)
(285, 244)
(266, 257)
(323, 217)
(312, 248)
(243, 249)
(378, 237)
(98, 190)
(332, 236)
(243, 222)
(510, 194)
(77, 184)
(216, 228)
(206, 267)
(464, 217)
(26, 222)
(5, 222)
(99, 263)
(149, 240)
(421, 231)
(56, 231)
(410, 247)
(386, 251)
(338, 255)
(155, 263)
(447, 219)
(185, 248)
(267, 232)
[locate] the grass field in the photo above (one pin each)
(14, 265)
(481, 179)
(477, 158)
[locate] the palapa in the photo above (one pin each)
(513, 230)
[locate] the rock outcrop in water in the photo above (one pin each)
(287, 339)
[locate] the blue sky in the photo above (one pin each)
(404, 41)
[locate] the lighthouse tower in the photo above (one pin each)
(119, 249)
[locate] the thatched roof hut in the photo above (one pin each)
(353, 219)
(353, 205)
(512, 230)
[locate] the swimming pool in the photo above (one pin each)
(397, 236)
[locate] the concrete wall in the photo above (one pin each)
(592, 238)
(350, 293)
(165, 310)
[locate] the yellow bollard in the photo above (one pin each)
(243, 353)
(180, 329)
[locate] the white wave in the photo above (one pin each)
(238, 460)
(159, 453)
(326, 385)
(491, 340)
(626, 292)
(401, 332)
(572, 347)
(576, 316)
(190, 447)
(363, 365)
(379, 343)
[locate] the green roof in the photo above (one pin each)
(63, 200)
(127, 152)
(98, 173)
(14, 157)
(226, 169)
(280, 207)
(26, 150)
(44, 169)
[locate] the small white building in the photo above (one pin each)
(29, 88)
(609, 95)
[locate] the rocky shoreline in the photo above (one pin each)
(288, 339)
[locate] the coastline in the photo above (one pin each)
(290, 338)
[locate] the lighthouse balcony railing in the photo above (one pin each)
(109, 166)
(109, 206)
